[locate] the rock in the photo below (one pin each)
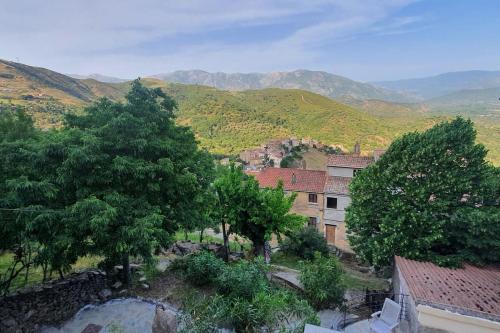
(10, 322)
(29, 314)
(105, 293)
(92, 328)
(117, 285)
(142, 279)
(145, 286)
(163, 265)
(123, 292)
(183, 248)
(165, 321)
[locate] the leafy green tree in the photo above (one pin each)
(305, 243)
(133, 174)
(269, 214)
(252, 212)
(323, 281)
(425, 198)
(31, 214)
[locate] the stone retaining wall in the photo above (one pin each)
(51, 303)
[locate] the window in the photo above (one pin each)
(313, 198)
(312, 221)
(331, 203)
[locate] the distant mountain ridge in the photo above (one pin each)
(444, 84)
(98, 77)
(228, 121)
(323, 83)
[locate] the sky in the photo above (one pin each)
(365, 40)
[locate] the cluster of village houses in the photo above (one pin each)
(274, 151)
(437, 299)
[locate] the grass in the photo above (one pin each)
(315, 159)
(354, 279)
(195, 238)
(36, 273)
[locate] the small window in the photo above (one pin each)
(331, 203)
(313, 198)
(312, 221)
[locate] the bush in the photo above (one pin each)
(244, 279)
(203, 268)
(266, 311)
(304, 243)
(323, 282)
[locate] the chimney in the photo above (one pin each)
(294, 178)
(357, 148)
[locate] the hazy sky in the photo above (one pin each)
(361, 39)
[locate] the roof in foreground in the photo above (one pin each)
(349, 161)
(339, 185)
(473, 289)
(305, 180)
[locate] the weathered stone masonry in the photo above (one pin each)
(51, 303)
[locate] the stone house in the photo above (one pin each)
(340, 171)
(253, 157)
(446, 300)
(309, 186)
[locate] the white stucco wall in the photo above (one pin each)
(337, 214)
(437, 319)
(340, 172)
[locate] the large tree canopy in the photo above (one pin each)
(431, 196)
(253, 212)
(117, 180)
(135, 175)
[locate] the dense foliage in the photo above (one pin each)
(203, 268)
(116, 181)
(323, 283)
(431, 196)
(247, 302)
(252, 212)
(305, 242)
(244, 279)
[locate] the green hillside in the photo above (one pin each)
(229, 121)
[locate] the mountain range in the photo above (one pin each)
(227, 121)
(447, 83)
(323, 83)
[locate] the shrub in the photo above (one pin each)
(203, 268)
(323, 282)
(244, 279)
(266, 311)
(305, 242)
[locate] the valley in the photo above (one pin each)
(228, 121)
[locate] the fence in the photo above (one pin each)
(362, 307)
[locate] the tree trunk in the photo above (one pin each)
(201, 235)
(126, 269)
(226, 243)
(258, 247)
(185, 234)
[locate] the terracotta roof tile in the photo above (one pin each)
(349, 161)
(338, 185)
(305, 180)
(471, 288)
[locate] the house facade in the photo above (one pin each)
(322, 196)
(340, 171)
(309, 186)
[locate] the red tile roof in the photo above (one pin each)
(473, 289)
(306, 180)
(349, 161)
(338, 185)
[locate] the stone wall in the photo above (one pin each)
(51, 303)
